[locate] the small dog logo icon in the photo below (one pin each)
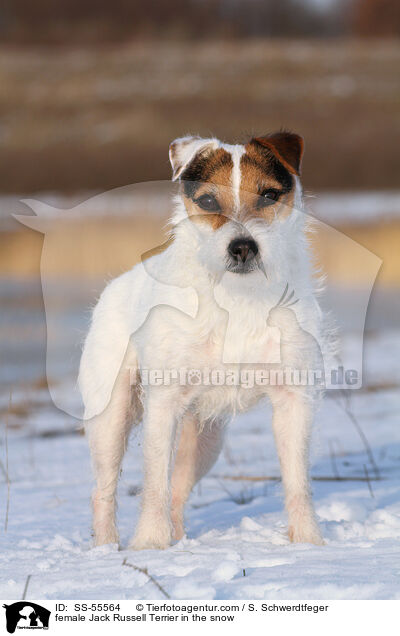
(26, 615)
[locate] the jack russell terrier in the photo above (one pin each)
(238, 240)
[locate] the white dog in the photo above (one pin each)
(238, 243)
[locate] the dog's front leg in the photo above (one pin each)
(292, 419)
(154, 529)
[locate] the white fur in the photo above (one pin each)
(229, 320)
(236, 151)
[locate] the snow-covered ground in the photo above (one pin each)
(236, 544)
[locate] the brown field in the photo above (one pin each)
(99, 249)
(99, 117)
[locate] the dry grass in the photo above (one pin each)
(149, 576)
(95, 118)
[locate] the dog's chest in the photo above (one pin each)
(236, 341)
(221, 365)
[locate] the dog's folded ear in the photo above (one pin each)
(287, 148)
(183, 150)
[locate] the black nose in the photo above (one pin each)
(242, 249)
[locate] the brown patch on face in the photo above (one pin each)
(265, 174)
(215, 166)
(209, 174)
(262, 172)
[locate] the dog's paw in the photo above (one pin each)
(148, 543)
(308, 533)
(154, 535)
(105, 537)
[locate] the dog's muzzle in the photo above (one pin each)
(242, 255)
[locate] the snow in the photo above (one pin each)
(355, 207)
(236, 544)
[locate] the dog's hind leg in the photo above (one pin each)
(108, 436)
(198, 451)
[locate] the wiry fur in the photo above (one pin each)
(229, 320)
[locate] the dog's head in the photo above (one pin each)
(241, 199)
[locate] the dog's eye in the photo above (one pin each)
(268, 197)
(208, 202)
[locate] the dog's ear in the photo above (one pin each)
(183, 150)
(287, 148)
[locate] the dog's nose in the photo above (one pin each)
(242, 249)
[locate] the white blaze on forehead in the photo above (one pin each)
(236, 151)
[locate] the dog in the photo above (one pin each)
(238, 241)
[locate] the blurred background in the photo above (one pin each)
(92, 93)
